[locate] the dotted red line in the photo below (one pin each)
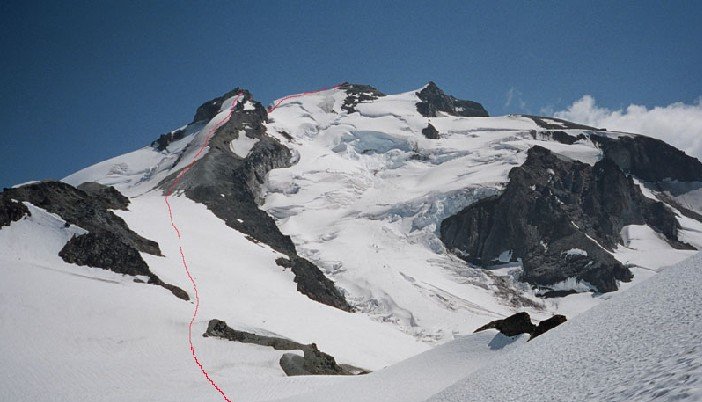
(283, 99)
(180, 175)
(177, 231)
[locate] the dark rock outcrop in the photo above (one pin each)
(220, 329)
(109, 243)
(107, 195)
(430, 132)
(209, 109)
(560, 136)
(229, 185)
(312, 282)
(520, 323)
(78, 207)
(649, 159)
(434, 100)
(358, 93)
(108, 251)
(314, 361)
(105, 250)
(516, 324)
(559, 217)
(548, 324)
(11, 210)
(560, 124)
(166, 139)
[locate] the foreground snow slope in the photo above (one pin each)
(643, 344)
(419, 377)
(78, 333)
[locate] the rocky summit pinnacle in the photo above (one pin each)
(434, 100)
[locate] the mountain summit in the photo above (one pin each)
(338, 232)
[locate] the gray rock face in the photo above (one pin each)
(312, 282)
(558, 216)
(11, 211)
(358, 93)
(430, 132)
(434, 100)
(108, 251)
(107, 195)
(314, 361)
(649, 159)
(82, 209)
(230, 186)
(105, 250)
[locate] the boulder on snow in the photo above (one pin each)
(548, 324)
(312, 362)
(520, 323)
(516, 324)
(430, 132)
(108, 251)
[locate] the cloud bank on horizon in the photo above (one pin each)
(678, 124)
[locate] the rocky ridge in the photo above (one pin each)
(229, 184)
(109, 243)
(559, 218)
(433, 100)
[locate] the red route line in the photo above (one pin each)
(283, 99)
(180, 175)
(177, 231)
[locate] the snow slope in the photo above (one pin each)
(419, 377)
(78, 333)
(642, 344)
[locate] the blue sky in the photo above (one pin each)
(84, 81)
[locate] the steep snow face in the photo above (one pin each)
(365, 196)
(138, 172)
(641, 345)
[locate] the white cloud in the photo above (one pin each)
(515, 96)
(678, 124)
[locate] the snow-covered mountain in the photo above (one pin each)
(380, 228)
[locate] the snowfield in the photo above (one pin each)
(641, 345)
